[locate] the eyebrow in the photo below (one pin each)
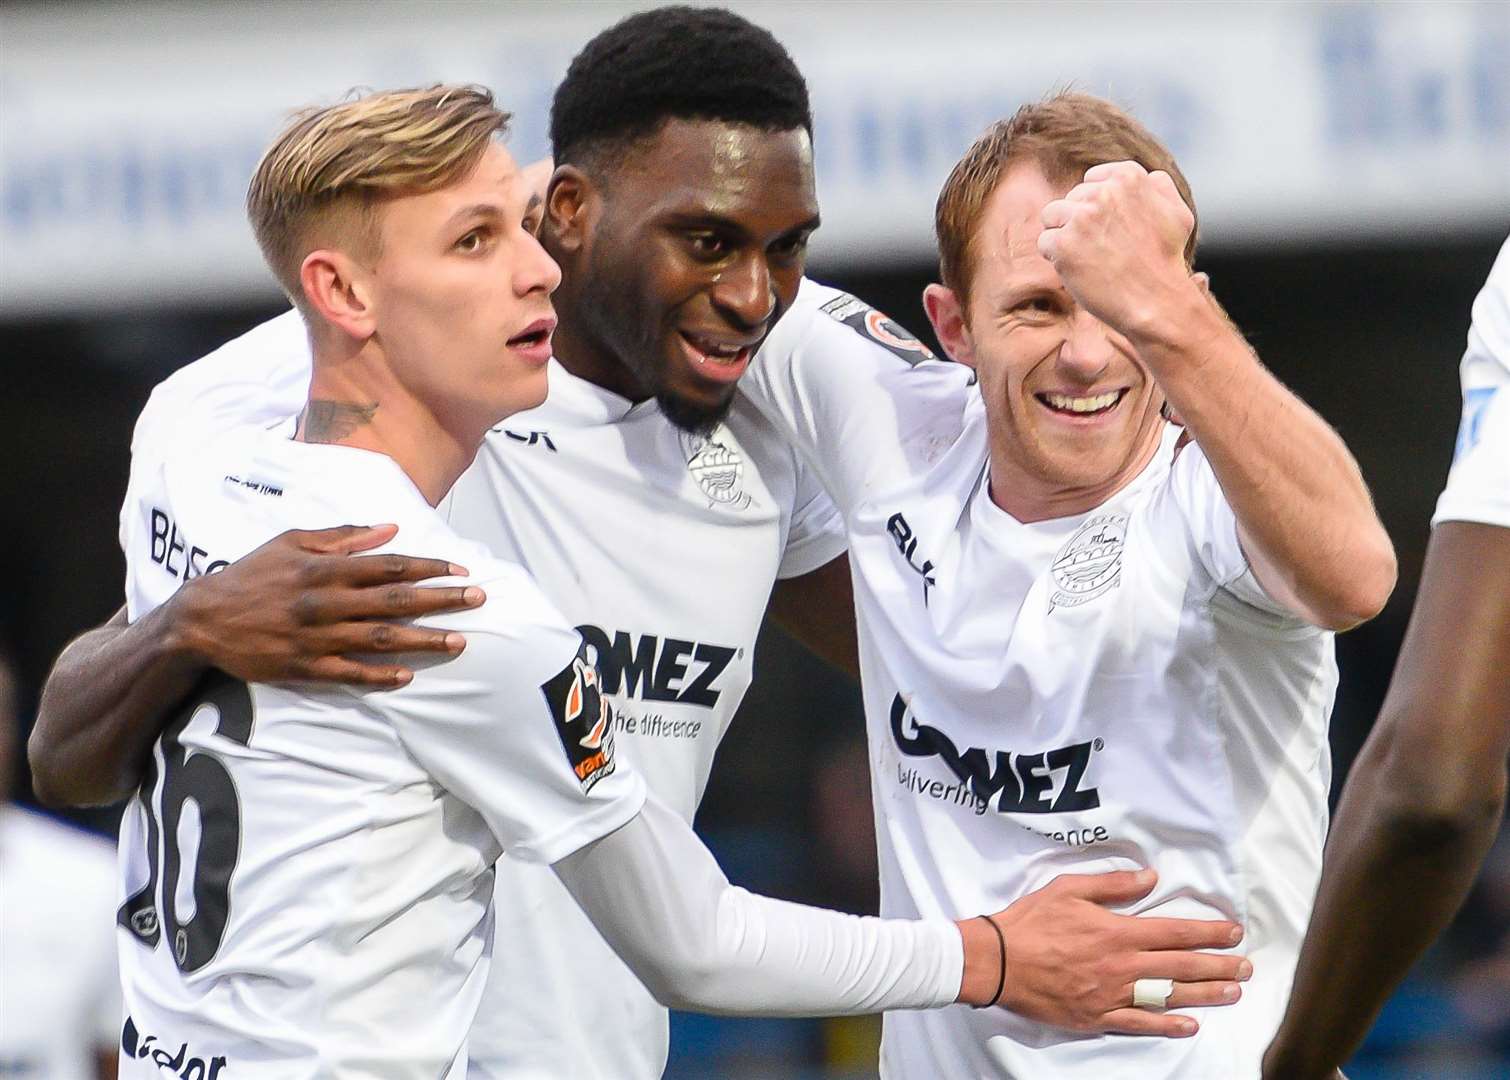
(475, 210)
(1025, 290)
(534, 204)
(693, 219)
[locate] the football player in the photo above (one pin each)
(1085, 647)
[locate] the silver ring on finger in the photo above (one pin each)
(1152, 993)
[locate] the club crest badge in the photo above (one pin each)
(718, 467)
(1090, 563)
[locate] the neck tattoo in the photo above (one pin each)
(332, 421)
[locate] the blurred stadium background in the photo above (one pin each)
(1352, 166)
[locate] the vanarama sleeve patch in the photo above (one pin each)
(885, 332)
(575, 697)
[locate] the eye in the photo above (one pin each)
(791, 247)
(709, 246)
(473, 241)
(532, 222)
(1036, 305)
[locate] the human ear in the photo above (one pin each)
(337, 290)
(568, 207)
(947, 314)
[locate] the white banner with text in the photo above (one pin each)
(128, 132)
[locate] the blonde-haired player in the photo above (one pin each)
(309, 871)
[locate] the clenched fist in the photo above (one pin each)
(1118, 241)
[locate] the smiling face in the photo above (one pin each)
(695, 247)
(461, 290)
(1073, 413)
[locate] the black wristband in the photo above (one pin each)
(1001, 981)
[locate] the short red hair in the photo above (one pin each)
(1065, 134)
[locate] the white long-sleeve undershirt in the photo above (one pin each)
(699, 943)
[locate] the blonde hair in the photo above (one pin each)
(1065, 134)
(324, 174)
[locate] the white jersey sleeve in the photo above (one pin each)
(1478, 487)
(815, 536)
(698, 942)
(1212, 530)
(856, 394)
(517, 727)
(259, 380)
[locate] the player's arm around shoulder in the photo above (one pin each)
(848, 386)
(516, 724)
(1304, 515)
(300, 608)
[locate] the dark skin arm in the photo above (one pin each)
(1420, 810)
(818, 610)
(291, 611)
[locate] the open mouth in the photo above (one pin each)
(536, 334)
(716, 360)
(708, 350)
(1082, 406)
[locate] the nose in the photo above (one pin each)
(1087, 349)
(536, 271)
(744, 292)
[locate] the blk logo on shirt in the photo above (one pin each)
(530, 438)
(902, 536)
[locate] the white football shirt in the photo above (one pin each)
(1478, 487)
(308, 872)
(1104, 691)
(60, 997)
(662, 548)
